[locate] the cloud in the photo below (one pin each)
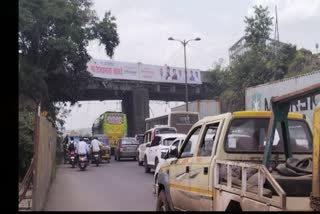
(289, 11)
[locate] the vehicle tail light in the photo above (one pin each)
(152, 136)
(72, 153)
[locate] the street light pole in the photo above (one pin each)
(185, 73)
(184, 43)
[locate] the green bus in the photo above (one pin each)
(111, 124)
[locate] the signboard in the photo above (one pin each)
(108, 69)
(115, 119)
(258, 97)
(113, 70)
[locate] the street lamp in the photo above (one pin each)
(184, 43)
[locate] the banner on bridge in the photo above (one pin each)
(108, 69)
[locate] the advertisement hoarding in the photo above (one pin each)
(108, 69)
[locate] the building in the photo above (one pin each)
(240, 48)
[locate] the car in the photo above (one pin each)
(126, 148)
(159, 145)
(149, 136)
(220, 165)
(175, 145)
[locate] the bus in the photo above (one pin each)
(181, 120)
(113, 125)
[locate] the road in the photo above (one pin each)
(118, 186)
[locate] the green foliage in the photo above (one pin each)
(258, 28)
(53, 36)
(261, 63)
(26, 125)
(106, 31)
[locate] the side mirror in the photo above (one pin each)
(165, 155)
(157, 140)
(173, 152)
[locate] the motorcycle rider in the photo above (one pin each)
(82, 148)
(65, 148)
(95, 145)
(71, 146)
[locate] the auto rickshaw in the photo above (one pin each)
(105, 149)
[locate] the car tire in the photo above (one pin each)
(115, 157)
(162, 202)
(146, 167)
(156, 162)
(155, 187)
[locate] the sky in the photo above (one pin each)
(144, 27)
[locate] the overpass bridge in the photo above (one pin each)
(140, 85)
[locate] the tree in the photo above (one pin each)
(53, 36)
(258, 28)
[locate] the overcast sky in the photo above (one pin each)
(144, 27)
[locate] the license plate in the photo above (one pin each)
(95, 156)
(72, 158)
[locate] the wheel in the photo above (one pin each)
(108, 161)
(115, 157)
(72, 164)
(162, 203)
(146, 167)
(155, 187)
(139, 162)
(119, 158)
(97, 163)
(156, 163)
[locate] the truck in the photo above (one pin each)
(257, 98)
(204, 107)
(246, 161)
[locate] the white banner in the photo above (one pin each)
(108, 69)
(113, 70)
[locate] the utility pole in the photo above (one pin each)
(276, 34)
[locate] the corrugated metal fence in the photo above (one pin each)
(44, 157)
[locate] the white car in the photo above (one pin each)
(148, 137)
(160, 144)
(176, 144)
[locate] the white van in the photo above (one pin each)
(159, 145)
(149, 136)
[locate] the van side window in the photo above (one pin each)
(206, 145)
(188, 147)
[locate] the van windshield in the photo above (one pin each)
(168, 141)
(169, 130)
(249, 135)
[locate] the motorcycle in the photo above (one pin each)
(96, 158)
(83, 161)
(72, 158)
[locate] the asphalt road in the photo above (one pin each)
(118, 186)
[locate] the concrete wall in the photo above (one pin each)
(45, 154)
(135, 105)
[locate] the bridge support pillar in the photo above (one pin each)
(135, 105)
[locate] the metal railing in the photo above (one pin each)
(27, 180)
(242, 190)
